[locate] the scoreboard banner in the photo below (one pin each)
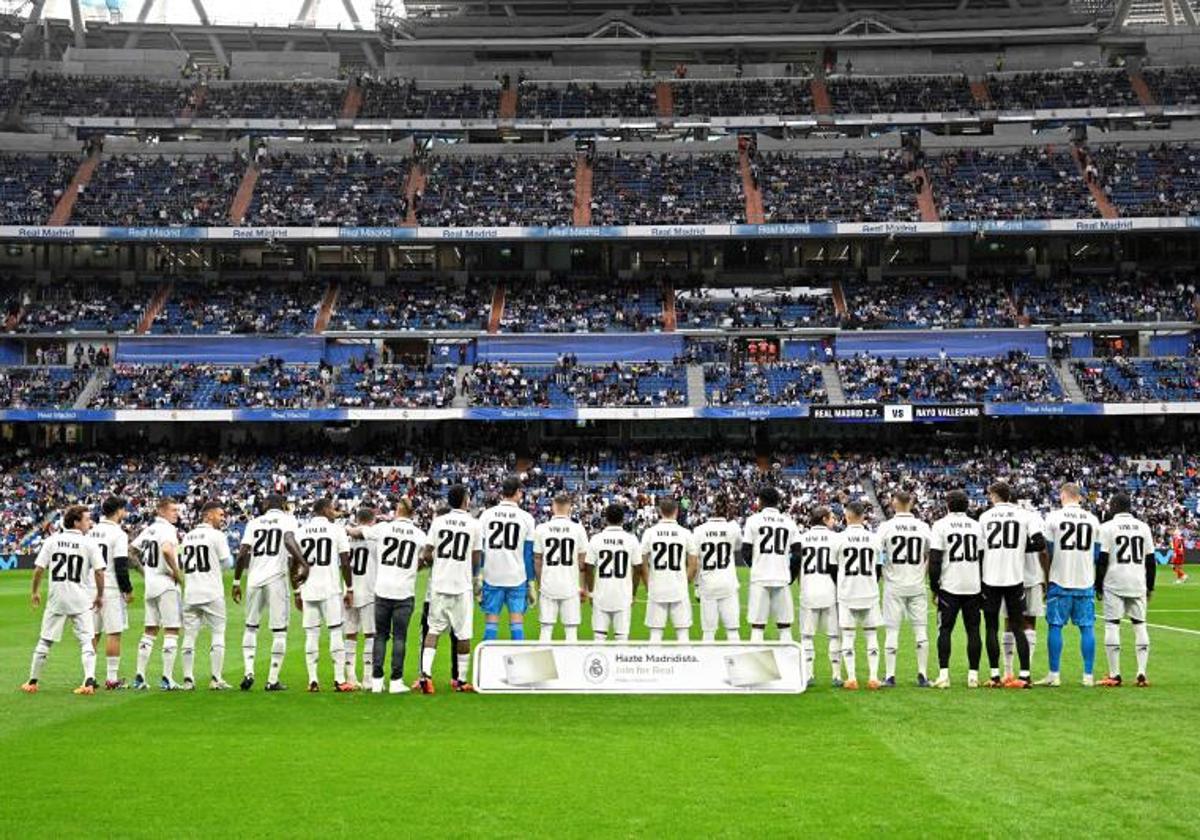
(503, 667)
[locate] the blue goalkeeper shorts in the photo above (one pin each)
(496, 598)
(1075, 605)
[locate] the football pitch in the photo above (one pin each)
(1049, 762)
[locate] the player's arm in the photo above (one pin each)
(1102, 560)
(99, 573)
(1151, 571)
(935, 570)
(35, 596)
(121, 568)
(747, 546)
(585, 584)
(426, 556)
(531, 574)
(793, 562)
(135, 555)
(240, 565)
(347, 576)
(297, 566)
(169, 551)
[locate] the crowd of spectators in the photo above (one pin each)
(41, 387)
(575, 101)
(54, 95)
(1025, 183)
(364, 384)
(1144, 297)
(578, 307)
(1161, 180)
(80, 304)
(928, 303)
(848, 188)
(239, 307)
(329, 189)
(568, 383)
(1058, 89)
(666, 188)
(136, 190)
(754, 308)
(1121, 379)
(900, 94)
(776, 383)
(266, 384)
(30, 186)
(404, 99)
(1173, 85)
(742, 97)
(497, 191)
(273, 100)
(1015, 377)
(424, 304)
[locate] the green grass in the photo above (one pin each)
(908, 762)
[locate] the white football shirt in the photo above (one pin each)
(614, 552)
(718, 544)
(268, 555)
(904, 543)
(399, 545)
(364, 562)
(771, 535)
(1128, 542)
(1034, 576)
(71, 558)
(152, 541)
(454, 537)
(201, 554)
(1073, 535)
(960, 539)
(562, 544)
(1006, 535)
(507, 530)
(113, 543)
(666, 547)
(818, 589)
(323, 543)
(857, 558)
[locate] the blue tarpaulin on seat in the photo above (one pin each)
(11, 353)
(591, 349)
(956, 344)
(223, 350)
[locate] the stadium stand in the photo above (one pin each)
(497, 191)
(779, 383)
(582, 307)
(1013, 378)
(585, 101)
(331, 189)
(849, 188)
(1161, 180)
(412, 305)
(30, 185)
(567, 383)
(900, 95)
(1058, 89)
(666, 189)
(1139, 380)
(135, 190)
(1026, 183)
(405, 99)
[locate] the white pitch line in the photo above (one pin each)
(1156, 612)
(1176, 629)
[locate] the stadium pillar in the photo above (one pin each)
(77, 25)
(29, 32)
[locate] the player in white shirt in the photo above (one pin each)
(155, 548)
(456, 541)
(718, 544)
(113, 618)
(1125, 581)
(769, 542)
(360, 615)
(559, 555)
(1037, 565)
(669, 565)
(76, 590)
(818, 592)
(612, 559)
(1008, 535)
(202, 556)
(904, 543)
(270, 551)
(1073, 542)
(401, 548)
(955, 553)
(507, 562)
(856, 556)
(326, 549)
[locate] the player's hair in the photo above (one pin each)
(510, 487)
(275, 501)
(1119, 503)
(323, 504)
(165, 502)
(667, 506)
(73, 515)
(769, 496)
(563, 500)
(856, 509)
(1000, 490)
(404, 506)
(457, 496)
(614, 514)
(112, 504)
(366, 513)
(956, 501)
(721, 507)
(210, 505)
(902, 499)
(818, 516)
(1072, 489)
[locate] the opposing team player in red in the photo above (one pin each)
(1178, 555)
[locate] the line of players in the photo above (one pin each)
(360, 579)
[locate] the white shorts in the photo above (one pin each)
(456, 612)
(812, 619)
(897, 607)
(658, 613)
(361, 620)
(1035, 600)
(210, 614)
(867, 617)
(767, 602)
(328, 612)
(52, 626)
(723, 612)
(1117, 607)
(113, 615)
(566, 610)
(164, 611)
(618, 620)
(274, 596)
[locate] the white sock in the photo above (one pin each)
(808, 653)
(40, 651)
(249, 649)
(922, 634)
(427, 657)
(368, 658)
(873, 654)
(87, 653)
(1112, 647)
(145, 646)
(312, 650)
(1141, 640)
(464, 663)
(571, 632)
(620, 637)
(756, 634)
(891, 641)
(973, 675)
(278, 649)
(189, 657)
(848, 654)
(943, 673)
(337, 652)
(656, 634)
(216, 655)
(169, 651)
(733, 634)
(112, 668)
(708, 635)
(835, 657)
(351, 657)
(1031, 638)
(681, 634)
(785, 632)
(1010, 651)
(546, 633)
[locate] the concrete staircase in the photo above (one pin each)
(750, 190)
(839, 299)
(664, 101)
(670, 318)
(61, 215)
(98, 380)
(695, 386)
(1106, 208)
(508, 103)
(414, 185)
(983, 96)
(582, 215)
(460, 399)
(11, 321)
(497, 314)
(1070, 385)
(1138, 82)
(822, 102)
(244, 195)
(352, 103)
(155, 308)
(195, 101)
(328, 303)
(833, 383)
(926, 203)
